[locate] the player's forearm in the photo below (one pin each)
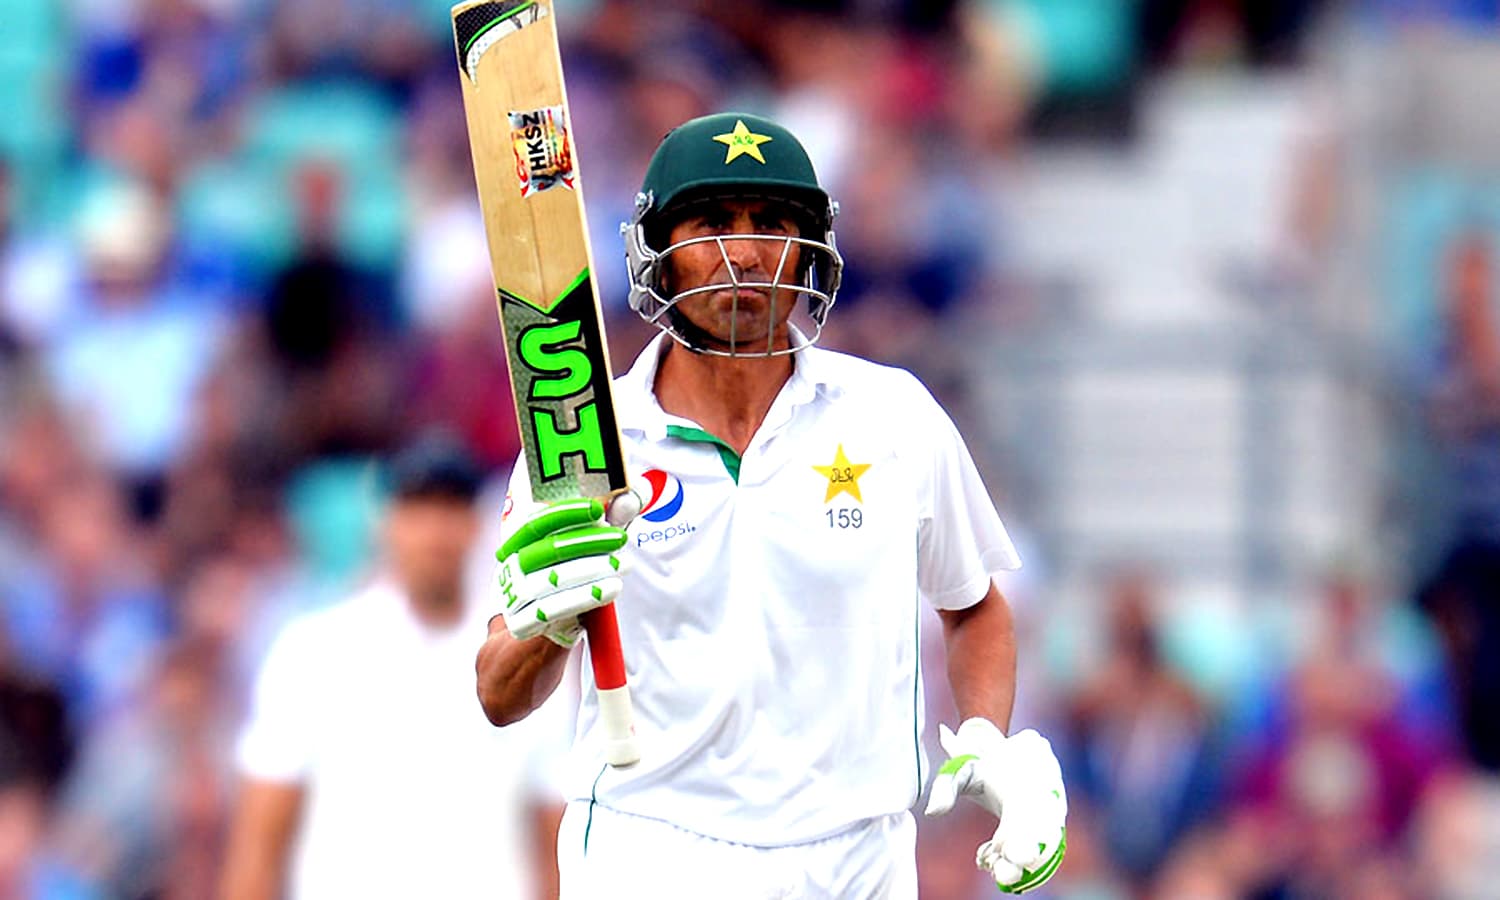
(515, 677)
(260, 841)
(981, 643)
(247, 879)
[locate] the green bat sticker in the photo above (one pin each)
(557, 359)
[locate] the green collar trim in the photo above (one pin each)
(730, 458)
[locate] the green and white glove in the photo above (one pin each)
(1019, 780)
(559, 563)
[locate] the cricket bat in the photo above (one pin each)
(524, 164)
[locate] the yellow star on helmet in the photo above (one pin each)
(843, 476)
(742, 142)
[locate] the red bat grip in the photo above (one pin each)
(615, 713)
(604, 647)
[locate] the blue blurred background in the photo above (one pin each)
(1210, 285)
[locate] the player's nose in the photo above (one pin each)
(744, 254)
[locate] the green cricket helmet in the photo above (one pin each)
(732, 156)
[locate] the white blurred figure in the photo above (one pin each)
(128, 365)
(368, 768)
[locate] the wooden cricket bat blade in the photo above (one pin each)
(521, 140)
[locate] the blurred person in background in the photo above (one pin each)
(326, 323)
(1330, 779)
(1141, 749)
(368, 769)
(1463, 406)
(144, 810)
(83, 608)
(1455, 839)
(36, 750)
(127, 366)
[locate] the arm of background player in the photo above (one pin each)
(546, 818)
(260, 840)
(981, 644)
(515, 677)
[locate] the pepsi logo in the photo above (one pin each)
(666, 496)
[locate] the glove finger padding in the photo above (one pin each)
(549, 519)
(1013, 879)
(1024, 835)
(558, 563)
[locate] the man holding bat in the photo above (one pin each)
(797, 507)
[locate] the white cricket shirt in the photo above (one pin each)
(408, 790)
(770, 620)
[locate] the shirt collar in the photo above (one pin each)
(637, 409)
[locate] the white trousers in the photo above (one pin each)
(629, 857)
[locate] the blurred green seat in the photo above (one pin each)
(33, 114)
(33, 135)
(32, 31)
(348, 123)
(251, 207)
(32, 110)
(249, 200)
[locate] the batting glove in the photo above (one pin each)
(559, 563)
(1018, 779)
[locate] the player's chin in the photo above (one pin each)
(749, 334)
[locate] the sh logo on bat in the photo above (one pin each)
(562, 374)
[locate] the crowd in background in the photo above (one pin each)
(241, 261)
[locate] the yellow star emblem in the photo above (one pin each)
(742, 142)
(843, 476)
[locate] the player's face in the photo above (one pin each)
(428, 539)
(742, 317)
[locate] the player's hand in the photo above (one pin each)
(558, 563)
(1018, 779)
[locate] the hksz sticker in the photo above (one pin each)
(544, 149)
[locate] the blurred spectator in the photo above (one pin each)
(36, 749)
(83, 610)
(149, 822)
(1457, 836)
(368, 767)
(1256, 32)
(1338, 766)
(127, 368)
(1464, 408)
(1142, 751)
(324, 324)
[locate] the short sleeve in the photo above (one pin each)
(276, 741)
(962, 544)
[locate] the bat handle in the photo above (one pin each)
(615, 711)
